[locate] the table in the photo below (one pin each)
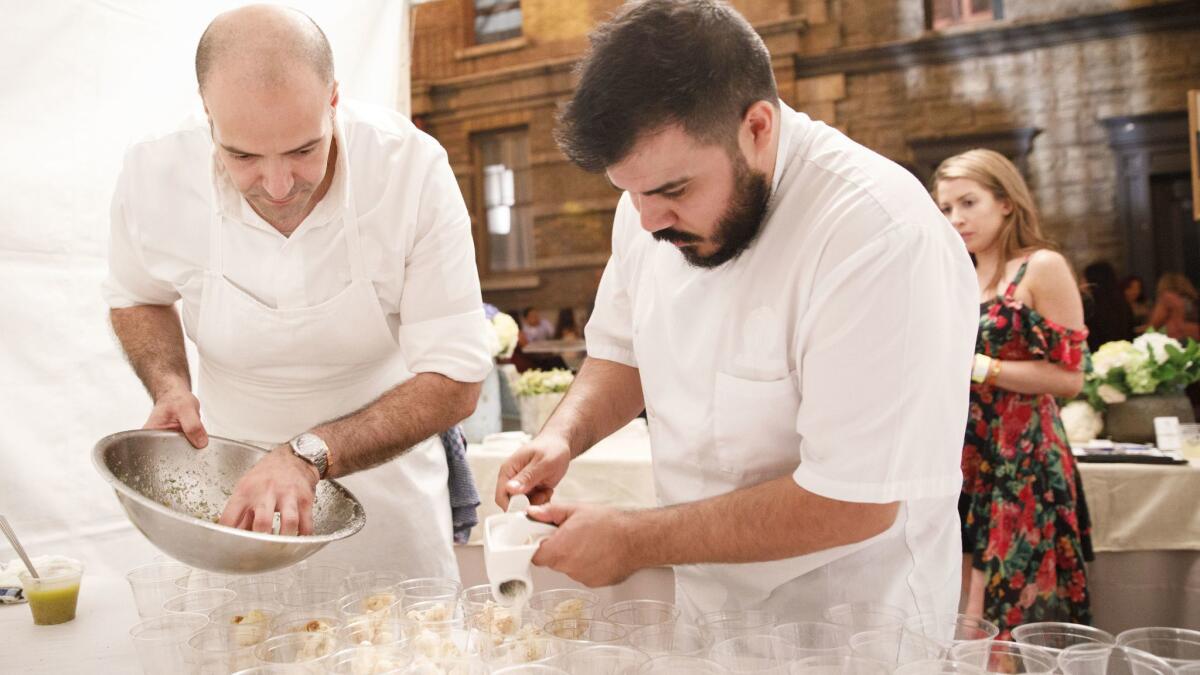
(571, 351)
(1146, 530)
(1145, 522)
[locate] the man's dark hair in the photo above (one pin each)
(697, 63)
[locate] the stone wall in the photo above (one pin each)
(828, 64)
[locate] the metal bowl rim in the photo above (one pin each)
(128, 492)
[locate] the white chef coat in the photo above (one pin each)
(835, 349)
(376, 284)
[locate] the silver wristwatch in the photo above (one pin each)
(310, 448)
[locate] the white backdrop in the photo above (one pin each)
(79, 80)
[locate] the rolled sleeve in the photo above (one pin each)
(442, 328)
(885, 355)
(129, 282)
(609, 331)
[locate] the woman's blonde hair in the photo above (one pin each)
(1021, 231)
(1178, 284)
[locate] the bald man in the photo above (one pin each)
(321, 255)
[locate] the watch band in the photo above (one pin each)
(312, 449)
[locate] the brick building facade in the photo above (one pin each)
(1085, 94)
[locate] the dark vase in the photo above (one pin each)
(1133, 420)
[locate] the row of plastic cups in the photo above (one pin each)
(301, 585)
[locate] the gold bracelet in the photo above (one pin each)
(993, 372)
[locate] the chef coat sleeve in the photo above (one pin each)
(442, 326)
(885, 352)
(609, 331)
(129, 282)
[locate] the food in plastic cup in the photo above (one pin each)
(54, 595)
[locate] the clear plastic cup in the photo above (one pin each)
(1177, 646)
(837, 664)
(436, 616)
(1102, 659)
(577, 633)
(153, 584)
(430, 589)
(305, 621)
(217, 650)
(284, 669)
(373, 630)
(481, 612)
(602, 660)
(671, 638)
(503, 650)
(1189, 438)
(305, 575)
(894, 647)
(939, 667)
(320, 598)
(564, 603)
(679, 664)
(371, 580)
(449, 666)
(54, 595)
(296, 648)
(249, 623)
(860, 616)
(634, 613)
(815, 638)
(199, 602)
(754, 654)
(1054, 636)
(255, 589)
(951, 629)
(732, 623)
(384, 603)
(999, 656)
(368, 660)
(199, 580)
(161, 641)
(530, 669)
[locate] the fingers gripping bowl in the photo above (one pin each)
(174, 493)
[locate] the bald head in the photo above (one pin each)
(263, 46)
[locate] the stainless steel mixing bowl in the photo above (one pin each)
(174, 494)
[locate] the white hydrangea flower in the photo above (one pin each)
(506, 332)
(1081, 421)
(1155, 345)
(1116, 354)
(1110, 394)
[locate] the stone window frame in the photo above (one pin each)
(491, 277)
(962, 14)
(475, 38)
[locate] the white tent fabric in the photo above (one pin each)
(79, 80)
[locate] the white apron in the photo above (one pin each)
(266, 375)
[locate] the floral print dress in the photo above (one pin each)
(1020, 492)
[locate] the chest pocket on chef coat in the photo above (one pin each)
(755, 427)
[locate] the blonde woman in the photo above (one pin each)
(1174, 310)
(1022, 538)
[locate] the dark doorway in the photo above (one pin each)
(1176, 235)
(1153, 195)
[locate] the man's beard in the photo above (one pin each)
(739, 224)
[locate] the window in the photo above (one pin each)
(497, 20)
(946, 13)
(505, 240)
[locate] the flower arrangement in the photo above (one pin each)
(1081, 421)
(504, 333)
(1151, 364)
(533, 382)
